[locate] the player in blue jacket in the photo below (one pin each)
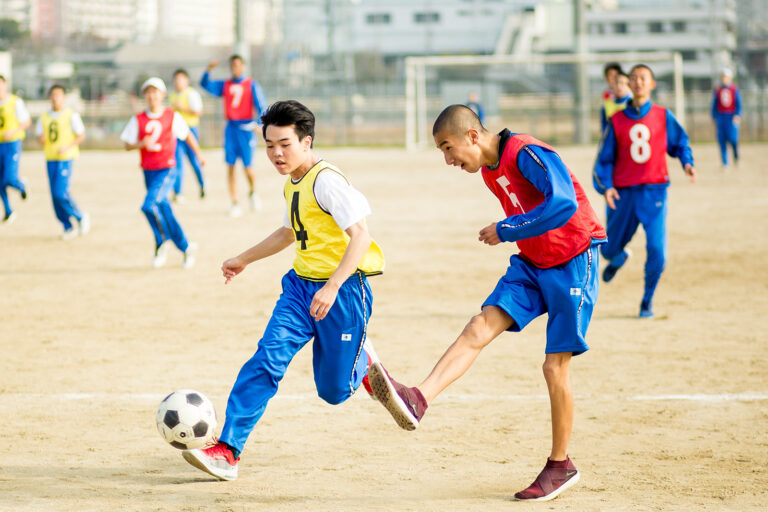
(631, 172)
(243, 105)
(726, 112)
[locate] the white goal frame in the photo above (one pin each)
(416, 130)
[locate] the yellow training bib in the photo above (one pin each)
(320, 242)
(612, 106)
(58, 133)
(183, 98)
(9, 121)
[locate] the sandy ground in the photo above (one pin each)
(671, 413)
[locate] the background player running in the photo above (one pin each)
(61, 131)
(325, 296)
(186, 101)
(243, 103)
(14, 120)
(555, 272)
(726, 112)
(154, 133)
(631, 172)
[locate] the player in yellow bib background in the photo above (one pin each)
(14, 120)
(619, 99)
(61, 131)
(186, 101)
(326, 296)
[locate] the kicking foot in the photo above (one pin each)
(406, 405)
(556, 477)
(217, 460)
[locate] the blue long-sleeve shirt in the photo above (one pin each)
(678, 146)
(547, 172)
(736, 101)
(216, 88)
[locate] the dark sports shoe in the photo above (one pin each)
(646, 309)
(556, 477)
(217, 460)
(610, 271)
(406, 405)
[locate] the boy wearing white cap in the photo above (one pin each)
(726, 112)
(154, 133)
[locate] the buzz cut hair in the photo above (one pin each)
(642, 66)
(181, 71)
(457, 119)
(56, 86)
(234, 57)
(290, 113)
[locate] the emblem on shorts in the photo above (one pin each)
(346, 337)
(575, 291)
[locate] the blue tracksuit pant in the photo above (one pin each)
(157, 209)
(646, 205)
(59, 175)
(10, 152)
(727, 133)
(184, 149)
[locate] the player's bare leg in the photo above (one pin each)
(253, 197)
(559, 473)
(477, 334)
(556, 373)
(407, 405)
(234, 210)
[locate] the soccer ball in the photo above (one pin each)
(186, 419)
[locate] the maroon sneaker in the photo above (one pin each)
(556, 477)
(216, 460)
(406, 405)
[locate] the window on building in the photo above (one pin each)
(620, 28)
(596, 28)
(426, 17)
(678, 26)
(378, 18)
(688, 54)
(655, 27)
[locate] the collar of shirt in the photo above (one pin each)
(637, 113)
(154, 115)
(237, 80)
(504, 136)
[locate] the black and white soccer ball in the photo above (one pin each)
(186, 419)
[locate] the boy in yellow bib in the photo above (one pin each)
(325, 296)
(14, 120)
(61, 131)
(186, 101)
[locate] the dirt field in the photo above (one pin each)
(671, 413)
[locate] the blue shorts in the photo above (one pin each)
(239, 142)
(567, 292)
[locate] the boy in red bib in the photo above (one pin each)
(154, 133)
(557, 232)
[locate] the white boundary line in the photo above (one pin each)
(716, 397)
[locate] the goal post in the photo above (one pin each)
(416, 110)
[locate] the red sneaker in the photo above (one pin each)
(216, 460)
(368, 388)
(406, 405)
(556, 477)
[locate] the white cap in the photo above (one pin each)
(155, 82)
(727, 72)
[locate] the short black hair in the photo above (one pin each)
(236, 56)
(612, 66)
(2, 77)
(181, 71)
(54, 87)
(287, 113)
(642, 66)
(621, 73)
(457, 118)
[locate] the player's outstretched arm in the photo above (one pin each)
(274, 243)
(359, 242)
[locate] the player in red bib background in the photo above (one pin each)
(726, 112)
(557, 231)
(154, 133)
(631, 172)
(243, 105)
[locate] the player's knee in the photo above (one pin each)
(333, 395)
(554, 370)
(477, 332)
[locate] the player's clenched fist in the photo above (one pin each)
(488, 235)
(212, 65)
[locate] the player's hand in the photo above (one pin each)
(611, 196)
(201, 160)
(737, 120)
(212, 65)
(323, 300)
(691, 172)
(489, 236)
(231, 268)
